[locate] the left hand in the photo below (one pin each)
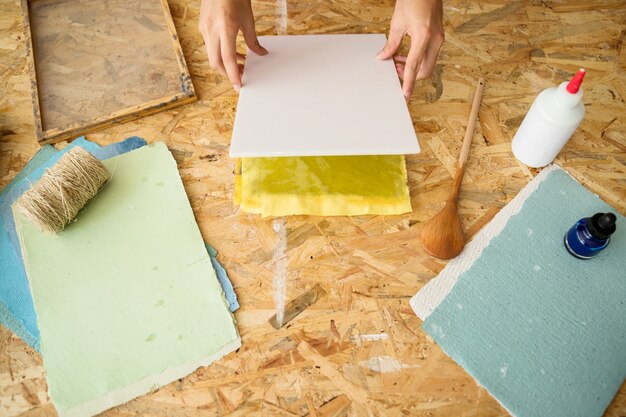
(220, 22)
(422, 20)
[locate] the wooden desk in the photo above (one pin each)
(365, 353)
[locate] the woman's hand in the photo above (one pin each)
(220, 21)
(422, 21)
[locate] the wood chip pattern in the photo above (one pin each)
(321, 363)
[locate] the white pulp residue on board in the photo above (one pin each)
(530, 232)
(503, 370)
(280, 269)
(281, 17)
(369, 337)
(536, 268)
(384, 364)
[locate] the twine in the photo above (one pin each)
(63, 190)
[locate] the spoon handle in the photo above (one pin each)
(467, 141)
(471, 122)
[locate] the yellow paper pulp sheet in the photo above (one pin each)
(323, 185)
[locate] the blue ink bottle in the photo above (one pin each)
(590, 235)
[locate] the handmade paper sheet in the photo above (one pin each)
(16, 305)
(323, 186)
(541, 330)
(17, 312)
(126, 296)
(319, 95)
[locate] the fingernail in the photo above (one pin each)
(380, 54)
(264, 51)
(237, 87)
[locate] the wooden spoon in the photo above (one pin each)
(442, 236)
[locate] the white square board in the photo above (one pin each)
(317, 95)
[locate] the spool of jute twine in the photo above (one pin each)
(63, 190)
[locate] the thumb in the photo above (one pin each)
(392, 45)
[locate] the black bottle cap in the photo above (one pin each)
(602, 225)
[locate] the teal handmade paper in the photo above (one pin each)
(542, 331)
(126, 296)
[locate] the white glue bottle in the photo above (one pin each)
(551, 120)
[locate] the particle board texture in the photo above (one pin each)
(358, 350)
(93, 64)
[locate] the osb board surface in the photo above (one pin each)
(369, 266)
(96, 58)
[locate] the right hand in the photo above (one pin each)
(422, 20)
(220, 21)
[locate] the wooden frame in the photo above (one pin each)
(185, 92)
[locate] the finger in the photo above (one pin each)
(400, 70)
(392, 45)
(229, 56)
(429, 60)
(213, 52)
(249, 35)
(412, 65)
(399, 59)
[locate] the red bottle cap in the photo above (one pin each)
(574, 85)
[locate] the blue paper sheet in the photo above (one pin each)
(8, 258)
(16, 307)
(222, 277)
(542, 331)
(118, 148)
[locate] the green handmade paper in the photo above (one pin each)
(126, 296)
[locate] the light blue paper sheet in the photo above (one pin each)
(8, 258)
(118, 148)
(16, 306)
(222, 277)
(542, 331)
